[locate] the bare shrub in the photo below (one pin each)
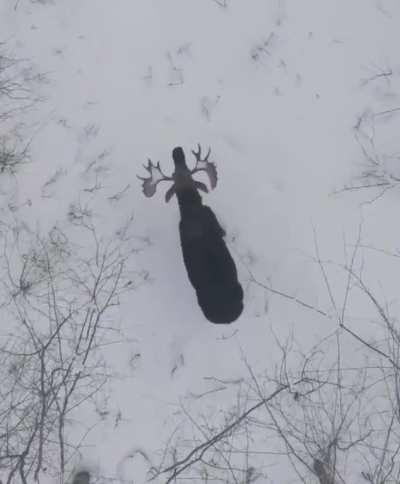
(305, 414)
(58, 301)
(19, 84)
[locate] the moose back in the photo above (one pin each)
(210, 267)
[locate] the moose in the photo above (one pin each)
(210, 267)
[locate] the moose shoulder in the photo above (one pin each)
(210, 267)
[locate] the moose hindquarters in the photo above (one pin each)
(212, 273)
(82, 477)
(221, 304)
(210, 267)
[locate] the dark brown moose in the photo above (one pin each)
(210, 267)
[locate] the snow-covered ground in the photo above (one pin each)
(277, 88)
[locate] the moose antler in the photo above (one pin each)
(205, 165)
(149, 184)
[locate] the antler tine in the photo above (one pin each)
(197, 154)
(208, 154)
(205, 165)
(149, 165)
(149, 184)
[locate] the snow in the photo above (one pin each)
(275, 88)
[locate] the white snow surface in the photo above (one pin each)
(275, 88)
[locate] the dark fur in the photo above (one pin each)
(82, 477)
(209, 265)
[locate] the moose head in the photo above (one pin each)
(182, 178)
